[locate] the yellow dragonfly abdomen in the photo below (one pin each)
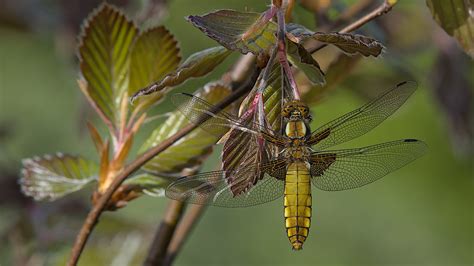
(297, 204)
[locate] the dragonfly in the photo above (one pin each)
(302, 160)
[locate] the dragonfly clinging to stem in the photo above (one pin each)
(302, 160)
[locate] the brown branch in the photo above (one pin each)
(98, 208)
(382, 9)
(235, 77)
(185, 226)
(165, 232)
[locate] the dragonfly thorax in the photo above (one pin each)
(296, 129)
(296, 118)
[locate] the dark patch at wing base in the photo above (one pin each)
(353, 168)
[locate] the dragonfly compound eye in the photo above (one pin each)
(287, 110)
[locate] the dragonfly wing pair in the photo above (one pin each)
(360, 121)
(353, 168)
(330, 170)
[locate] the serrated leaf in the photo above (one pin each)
(197, 65)
(303, 60)
(351, 43)
(154, 54)
(347, 42)
(241, 31)
(243, 149)
(104, 55)
(189, 152)
(148, 184)
(456, 17)
(53, 176)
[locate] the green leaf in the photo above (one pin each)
(104, 55)
(197, 65)
(189, 153)
(242, 31)
(272, 98)
(351, 43)
(457, 19)
(154, 55)
(148, 184)
(347, 42)
(304, 61)
(53, 176)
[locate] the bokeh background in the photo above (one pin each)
(419, 215)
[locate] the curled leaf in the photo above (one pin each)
(351, 43)
(197, 65)
(189, 152)
(347, 42)
(53, 176)
(305, 62)
(104, 49)
(241, 31)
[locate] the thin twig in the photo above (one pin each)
(350, 13)
(157, 251)
(98, 208)
(185, 226)
(383, 8)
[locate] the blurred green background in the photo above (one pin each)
(419, 215)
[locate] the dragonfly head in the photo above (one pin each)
(296, 110)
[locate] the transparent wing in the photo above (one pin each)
(363, 119)
(216, 120)
(212, 188)
(352, 168)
